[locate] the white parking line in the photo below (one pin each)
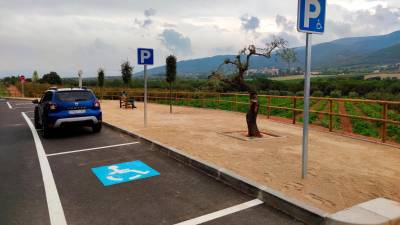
(22, 107)
(221, 213)
(9, 106)
(56, 211)
(91, 149)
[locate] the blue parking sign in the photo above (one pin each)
(124, 172)
(311, 16)
(145, 56)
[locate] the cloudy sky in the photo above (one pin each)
(64, 36)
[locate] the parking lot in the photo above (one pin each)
(52, 181)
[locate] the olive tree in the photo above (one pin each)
(241, 62)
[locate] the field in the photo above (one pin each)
(382, 76)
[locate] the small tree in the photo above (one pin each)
(51, 78)
(242, 64)
(35, 76)
(100, 80)
(289, 56)
(170, 76)
(126, 71)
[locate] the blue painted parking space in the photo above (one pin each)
(124, 172)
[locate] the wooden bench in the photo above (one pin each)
(127, 102)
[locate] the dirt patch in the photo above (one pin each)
(242, 135)
(346, 123)
(342, 171)
(13, 91)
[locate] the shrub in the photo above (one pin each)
(300, 93)
(318, 94)
(336, 94)
(353, 94)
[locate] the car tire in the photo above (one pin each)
(36, 119)
(96, 128)
(46, 130)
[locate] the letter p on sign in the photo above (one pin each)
(311, 16)
(145, 56)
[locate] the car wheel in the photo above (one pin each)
(36, 119)
(46, 130)
(96, 128)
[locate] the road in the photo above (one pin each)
(51, 181)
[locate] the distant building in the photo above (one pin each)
(315, 73)
(270, 71)
(376, 71)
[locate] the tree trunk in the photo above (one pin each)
(251, 117)
(170, 97)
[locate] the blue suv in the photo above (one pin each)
(67, 106)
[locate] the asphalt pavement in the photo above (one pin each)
(62, 180)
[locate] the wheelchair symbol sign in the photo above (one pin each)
(124, 172)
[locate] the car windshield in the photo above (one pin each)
(74, 96)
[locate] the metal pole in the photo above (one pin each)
(23, 91)
(306, 106)
(145, 95)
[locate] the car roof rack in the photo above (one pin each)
(53, 88)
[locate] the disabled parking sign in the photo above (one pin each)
(124, 172)
(311, 16)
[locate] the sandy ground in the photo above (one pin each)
(342, 171)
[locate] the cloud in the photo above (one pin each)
(148, 13)
(249, 23)
(176, 42)
(284, 23)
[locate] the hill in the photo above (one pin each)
(345, 52)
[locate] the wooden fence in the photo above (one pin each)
(379, 114)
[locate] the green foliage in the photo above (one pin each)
(318, 93)
(353, 94)
(51, 78)
(170, 69)
(126, 72)
(100, 77)
(35, 76)
(13, 80)
(336, 94)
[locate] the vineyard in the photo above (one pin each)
(379, 120)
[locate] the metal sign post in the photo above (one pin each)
(22, 80)
(145, 57)
(310, 19)
(145, 96)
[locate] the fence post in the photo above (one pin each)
(219, 100)
(330, 115)
(268, 106)
(176, 96)
(202, 100)
(236, 107)
(384, 116)
(294, 109)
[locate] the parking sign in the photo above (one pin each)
(145, 56)
(311, 16)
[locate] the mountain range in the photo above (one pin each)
(354, 52)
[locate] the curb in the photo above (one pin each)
(273, 198)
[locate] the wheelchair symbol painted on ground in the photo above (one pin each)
(124, 172)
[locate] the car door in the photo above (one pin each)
(43, 103)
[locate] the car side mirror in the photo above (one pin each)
(35, 101)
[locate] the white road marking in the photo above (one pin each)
(91, 149)
(29, 112)
(25, 103)
(221, 213)
(23, 107)
(9, 106)
(56, 211)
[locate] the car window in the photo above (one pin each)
(47, 96)
(74, 96)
